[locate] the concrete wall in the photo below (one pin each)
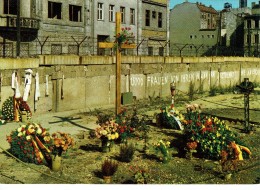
(78, 83)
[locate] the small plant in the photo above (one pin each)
(213, 91)
(141, 177)
(127, 152)
(109, 167)
(162, 147)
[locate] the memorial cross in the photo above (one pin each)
(118, 60)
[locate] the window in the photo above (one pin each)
(100, 12)
(10, 7)
(248, 39)
(161, 51)
(150, 51)
(132, 16)
(73, 49)
(75, 13)
(248, 23)
(213, 36)
(56, 49)
(111, 13)
(54, 10)
(147, 18)
(159, 20)
(256, 38)
(154, 14)
(122, 10)
(256, 23)
(191, 36)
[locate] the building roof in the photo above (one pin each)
(204, 8)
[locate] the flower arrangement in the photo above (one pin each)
(61, 143)
(123, 37)
(162, 147)
(30, 143)
(24, 107)
(8, 109)
(208, 135)
(107, 132)
(170, 118)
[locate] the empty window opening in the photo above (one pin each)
(54, 10)
(75, 13)
(10, 7)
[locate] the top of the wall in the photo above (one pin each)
(52, 60)
(19, 63)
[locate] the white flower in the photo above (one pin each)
(39, 130)
(28, 137)
(19, 129)
(20, 134)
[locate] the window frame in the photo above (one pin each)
(100, 11)
(122, 11)
(51, 12)
(132, 16)
(111, 12)
(147, 18)
(71, 11)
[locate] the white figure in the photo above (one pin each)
(27, 84)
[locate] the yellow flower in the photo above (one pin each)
(218, 134)
(47, 138)
(113, 137)
(116, 135)
(202, 126)
(168, 143)
(109, 136)
(28, 137)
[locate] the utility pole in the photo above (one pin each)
(18, 28)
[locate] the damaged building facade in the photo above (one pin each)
(33, 27)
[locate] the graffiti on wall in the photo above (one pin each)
(153, 80)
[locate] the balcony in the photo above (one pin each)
(25, 23)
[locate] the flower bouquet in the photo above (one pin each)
(61, 142)
(123, 37)
(170, 118)
(107, 132)
(30, 143)
(162, 147)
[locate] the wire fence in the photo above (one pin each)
(32, 46)
(78, 45)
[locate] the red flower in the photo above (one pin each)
(198, 123)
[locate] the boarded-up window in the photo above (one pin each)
(150, 50)
(56, 49)
(73, 49)
(6, 50)
(161, 51)
(24, 49)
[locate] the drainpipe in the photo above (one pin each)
(18, 28)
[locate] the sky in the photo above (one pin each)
(216, 4)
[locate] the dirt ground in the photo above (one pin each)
(82, 164)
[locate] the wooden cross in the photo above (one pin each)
(118, 60)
